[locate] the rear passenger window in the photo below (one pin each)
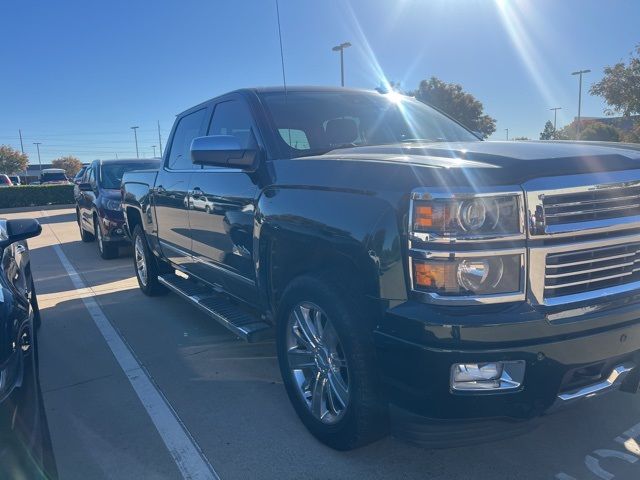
(233, 118)
(188, 128)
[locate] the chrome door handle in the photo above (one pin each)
(20, 249)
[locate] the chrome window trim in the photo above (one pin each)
(434, 298)
(537, 189)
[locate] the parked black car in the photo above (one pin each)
(78, 177)
(23, 429)
(408, 270)
(98, 205)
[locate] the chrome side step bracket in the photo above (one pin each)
(241, 323)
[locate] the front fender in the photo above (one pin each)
(299, 230)
(136, 201)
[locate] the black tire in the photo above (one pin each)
(154, 267)
(365, 417)
(106, 250)
(84, 235)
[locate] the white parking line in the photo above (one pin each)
(182, 447)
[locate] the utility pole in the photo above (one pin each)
(154, 150)
(159, 138)
(340, 48)
(135, 135)
(37, 144)
(555, 116)
(21, 145)
(507, 130)
(579, 72)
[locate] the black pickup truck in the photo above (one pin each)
(414, 277)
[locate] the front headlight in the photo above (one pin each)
(112, 204)
(469, 276)
(468, 217)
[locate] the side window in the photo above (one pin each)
(91, 178)
(188, 128)
(233, 118)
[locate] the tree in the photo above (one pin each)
(12, 161)
(600, 131)
(549, 133)
(632, 136)
(454, 101)
(620, 86)
(70, 164)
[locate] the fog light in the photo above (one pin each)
(487, 376)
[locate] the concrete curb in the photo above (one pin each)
(36, 208)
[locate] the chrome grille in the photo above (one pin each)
(597, 204)
(581, 271)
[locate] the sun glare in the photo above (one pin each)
(511, 14)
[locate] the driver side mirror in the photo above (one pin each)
(19, 229)
(223, 151)
(85, 187)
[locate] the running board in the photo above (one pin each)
(229, 315)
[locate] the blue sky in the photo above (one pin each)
(77, 74)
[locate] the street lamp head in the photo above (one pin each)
(342, 46)
(579, 72)
(134, 127)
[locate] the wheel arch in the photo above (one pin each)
(327, 233)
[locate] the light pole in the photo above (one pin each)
(555, 116)
(340, 48)
(507, 130)
(159, 138)
(135, 134)
(37, 144)
(154, 150)
(579, 72)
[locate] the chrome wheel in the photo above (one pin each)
(141, 263)
(317, 362)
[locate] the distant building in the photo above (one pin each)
(626, 124)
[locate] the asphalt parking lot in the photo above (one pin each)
(228, 399)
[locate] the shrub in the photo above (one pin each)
(35, 195)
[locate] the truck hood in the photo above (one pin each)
(527, 157)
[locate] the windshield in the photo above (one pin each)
(111, 173)
(53, 177)
(311, 123)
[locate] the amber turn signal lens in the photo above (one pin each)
(423, 216)
(428, 275)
